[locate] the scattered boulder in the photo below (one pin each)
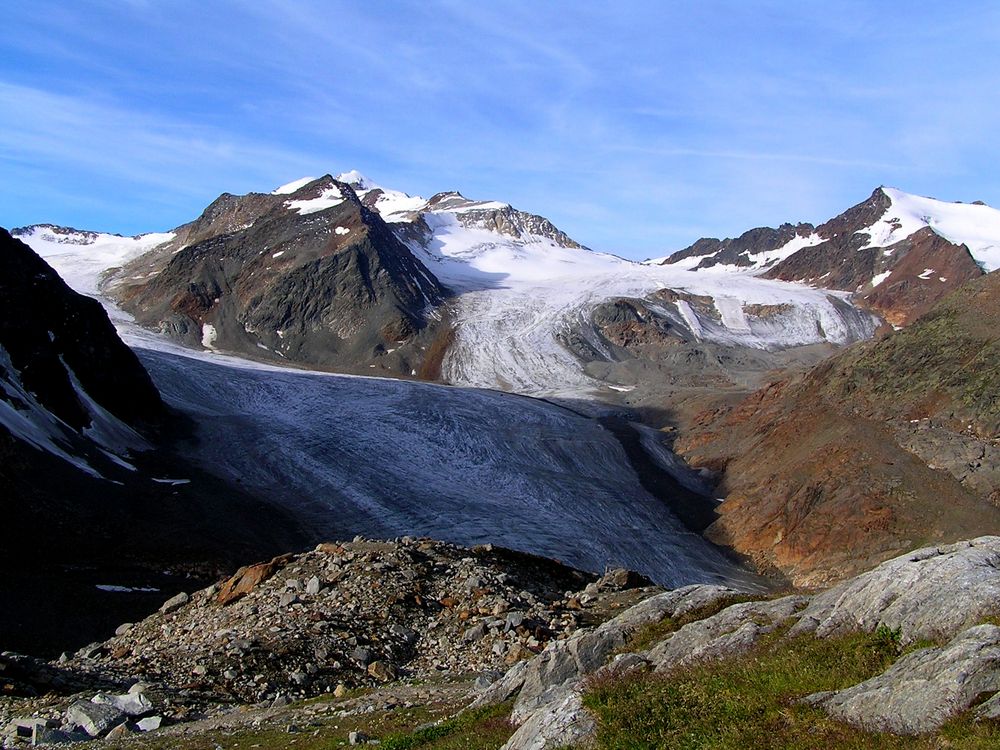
(149, 724)
(130, 704)
(620, 579)
(175, 602)
(122, 730)
(94, 718)
(44, 735)
(383, 671)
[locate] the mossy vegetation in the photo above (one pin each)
(943, 361)
(437, 727)
(752, 701)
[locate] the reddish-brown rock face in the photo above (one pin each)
(892, 444)
(247, 578)
(926, 268)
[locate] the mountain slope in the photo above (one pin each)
(60, 354)
(891, 443)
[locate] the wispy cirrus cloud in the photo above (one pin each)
(635, 127)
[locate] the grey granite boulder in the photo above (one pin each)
(565, 723)
(175, 602)
(553, 673)
(924, 689)
(132, 704)
(929, 594)
(94, 718)
(733, 630)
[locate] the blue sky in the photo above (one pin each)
(637, 127)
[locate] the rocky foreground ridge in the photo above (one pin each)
(381, 629)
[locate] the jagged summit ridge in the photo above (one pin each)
(898, 253)
(889, 215)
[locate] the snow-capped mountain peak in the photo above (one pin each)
(975, 225)
(356, 180)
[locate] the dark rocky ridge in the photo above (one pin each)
(331, 288)
(52, 334)
(83, 518)
(736, 251)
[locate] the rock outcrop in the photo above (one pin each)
(929, 594)
(925, 688)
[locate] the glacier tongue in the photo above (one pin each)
(380, 457)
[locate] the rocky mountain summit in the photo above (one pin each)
(898, 253)
(310, 276)
(386, 630)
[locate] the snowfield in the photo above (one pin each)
(81, 258)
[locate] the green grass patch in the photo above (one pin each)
(750, 701)
(486, 728)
